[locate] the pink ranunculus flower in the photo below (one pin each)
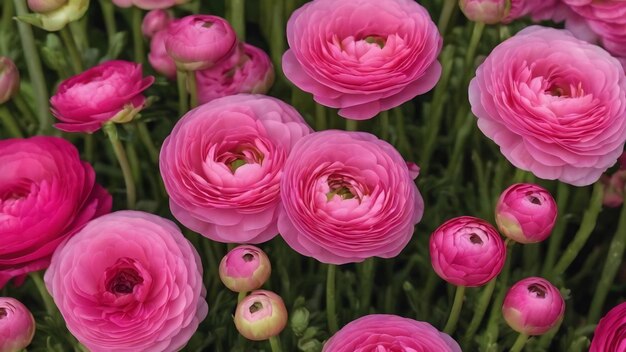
(526, 213)
(245, 268)
(610, 333)
(383, 332)
(486, 11)
(149, 4)
(158, 57)
(565, 122)
(467, 251)
(538, 10)
(533, 306)
(362, 66)
(261, 315)
(248, 70)
(613, 189)
(198, 42)
(155, 21)
(347, 196)
(46, 194)
(9, 79)
(129, 282)
(17, 325)
(222, 165)
(111, 91)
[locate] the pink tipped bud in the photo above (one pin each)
(245, 268)
(613, 189)
(261, 315)
(533, 306)
(486, 11)
(158, 58)
(17, 325)
(154, 21)
(43, 6)
(526, 213)
(9, 79)
(467, 251)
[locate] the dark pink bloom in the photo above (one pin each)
(610, 334)
(9, 79)
(155, 21)
(17, 325)
(245, 268)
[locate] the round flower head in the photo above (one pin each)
(382, 332)
(486, 11)
(149, 4)
(54, 15)
(245, 268)
(347, 196)
(526, 213)
(9, 79)
(536, 108)
(467, 251)
(158, 57)
(361, 65)
(610, 334)
(533, 306)
(261, 315)
(17, 325)
(43, 6)
(155, 21)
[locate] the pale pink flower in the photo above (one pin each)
(261, 315)
(155, 21)
(149, 4)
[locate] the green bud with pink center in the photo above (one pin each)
(245, 268)
(261, 315)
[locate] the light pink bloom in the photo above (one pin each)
(9, 79)
(565, 122)
(155, 21)
(129, 282)
(526, 213)
(610, 334)
(261, 315)
(486, 11)
(347, 196)
(467, 251)
(158, 57)
(43, 6)
(222, 165)
(149, 4)
(536, 9)
(46, 194)
(17, 325)
(350, 61)
(111, 91)
(382, 332)
(533, 306)
(245, 268)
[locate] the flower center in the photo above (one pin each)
(475, 239)
(255, 307)
(537, 290)
(3, 313)
(565, 90)
(121, 278)
(533, 198)
(240, 156)
(375, 39)
(340, 187)
(247, 257)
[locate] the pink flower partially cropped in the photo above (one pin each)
(350, 61)
(222, 165)
(17, 325)
(158, 57)
(108, 92)
(46, 194)
(558, 121)
(347, 196)
(533, 306)
(610, 334)
(129, 282)
(155, 21)
(9, 79)
(382, 332)
(149, 4)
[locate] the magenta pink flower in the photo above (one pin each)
(108, 92)
(158, 57)
(17, 325)
(223, 162)
(382, 332)
(533, 306)
(467, 251)
(536, 9)
(526, 213)
(362, 66)
(9, 79)
(149, 4)
(155, 21)
(565, 122)
(46, 195)
(261, 315)
(610, 334)
(347, 196)
(245, 268)
(129, 281)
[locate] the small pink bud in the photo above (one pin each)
(486, 11)
(261, 315)
(17, 325)
(9, 79)
(245, 268)
(43, 6)
(533, 306)
(158, 58)
(154, 21)
(526, 213)
(613, 189)
(467, 251)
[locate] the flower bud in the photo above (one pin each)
(155, 21)
(526, 213)
(486, 11)
(17, 325)
(56, 19)
(43, 6)
(245, 268)
(158, 58)
(299, 321)
(613, 189)
(533, 306)
(261, 315)
(9, 79)
(467, 251)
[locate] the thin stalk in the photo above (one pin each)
(493, 329)
(320, 117)
(277, 35)
(477, 32)
(384, 124)
(446, 13)
(5, 25)
(480, 310)
(236, 10)
(24, 107)
(519, 343)
(43, 292)
(138, 49)
(331, 313)
(89, 147)
(366, 281)
(275, 344)
(351, 125)
(193, 88)
(241, 296)
(72, 49)
(146, 139)
(183, 102)
(108, 14)
(453, 319)
(562, 198)
(120, 154)
(8, 120)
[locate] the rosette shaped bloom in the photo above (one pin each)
(382, 332)
(467, 251)
(54, 15)
(261, 315)
(565, 122)
(9, 79)
(158, 57)
(347, 196)
(361, 66)
(17, 325)
(197, 42)
(129, 281)
(222, 165)
(610, 334)
(149, 4)
(533, 306)
(108, 92)
(155, 21)
(526, 213)
(46, 195)
(248, 70)
(245, 268)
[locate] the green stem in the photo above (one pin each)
(138, 49)
(331, 313)
(146, 139)
(320, 117)
(6, 24)
(446, 13)
(120, 154)
(277, 35)
(8, 120)
(236, 10)
(24, 107)
(562, 198)
(183, 102)
(366, 281)
(241, 296)
(89, 147)
(193, 88)
(493, 329)
(108, 14)
(453, 319)
(384, 125)
(351, 125)
(477, 32)
(480, 310)
(519, 343)
(403, 140)
(43, 292)
(72, 49)
(275, 344)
